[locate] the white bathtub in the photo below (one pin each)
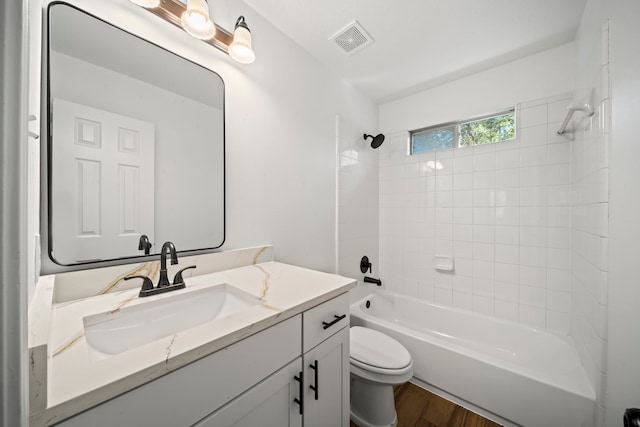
(524, 376)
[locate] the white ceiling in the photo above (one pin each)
(422, 43)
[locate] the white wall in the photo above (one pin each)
(612, 340)
(280, 132)
(623, 373)
(537, 76)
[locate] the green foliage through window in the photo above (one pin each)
(495, 128)
(491, 129)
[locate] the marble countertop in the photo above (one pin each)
(78, 379)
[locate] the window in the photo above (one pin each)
(494, 128)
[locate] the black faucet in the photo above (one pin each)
(144, 244)
(163, 283)
(164, 280)
(368, 279)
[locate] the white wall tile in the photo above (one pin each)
(486, 179)
(508, 235)
(507, 292)
(462, 232)
(507, 159)
(509, 254)
(536, 135)
(484, 197)
(463, 164)
(463, 198)
(484, 251)
(533, 196)
(483, 305)
(508, 178)
(533, 156)
(463, 284)
(507, 215)
(507, 197)
(463, 181)
(509, 273)
(443, 296)
(484, 216)
(506, 212)
(533, 216)
(484, 162)
(533, 116)
(463, 300)
(559, 152)
(559, 301)
(533, 236)
(506, 310)
(533, 296)
(483, 233)
(558, 174)
(533, 176)
(533, 276)
(559, 322)
(532, 316)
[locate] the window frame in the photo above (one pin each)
(456, 130)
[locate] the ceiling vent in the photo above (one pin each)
(352, 38)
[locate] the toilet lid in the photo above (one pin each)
(377, 349)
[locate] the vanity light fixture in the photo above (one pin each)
(195, 20)
(240, 48)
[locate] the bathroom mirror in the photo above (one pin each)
(135, 145)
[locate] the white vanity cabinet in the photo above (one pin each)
(326, 364)
(187, 395)
(293, 374)
(272, 403)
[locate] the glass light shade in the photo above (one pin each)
(146, 3)
(240, 49)
(195, 20)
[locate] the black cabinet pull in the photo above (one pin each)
(315, 387)
(301, 391)
(336, 319)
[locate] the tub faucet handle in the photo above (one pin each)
(365, 264)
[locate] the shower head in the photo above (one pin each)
(376, 141)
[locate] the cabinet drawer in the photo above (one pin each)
(320, 322)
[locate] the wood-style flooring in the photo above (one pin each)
(417, 407)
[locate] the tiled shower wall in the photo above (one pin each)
(590, 217)
(501, 211)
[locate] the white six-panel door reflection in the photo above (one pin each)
(103, 181)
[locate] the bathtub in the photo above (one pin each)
(520, 375)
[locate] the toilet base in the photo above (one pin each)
(362, 423)
(372, 404)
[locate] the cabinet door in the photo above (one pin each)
(268, 404)
(326, 378)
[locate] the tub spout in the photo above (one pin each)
(368, 279)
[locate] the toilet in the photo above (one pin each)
(378, 362)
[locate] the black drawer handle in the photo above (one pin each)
(336, 319)
(315, 387)
(301, 391)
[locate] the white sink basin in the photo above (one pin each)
(112, 333)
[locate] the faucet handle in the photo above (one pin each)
(147, 284)
(177, 279)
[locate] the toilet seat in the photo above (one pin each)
(376, 352)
